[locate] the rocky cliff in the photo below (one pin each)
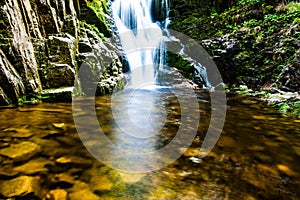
(43, 44)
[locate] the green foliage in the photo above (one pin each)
(296, 21)
(292, 107)
(271, 18)
(30, 98)
(100, 9)
(293, 7)
(98, 6)
(252, 23)
(245, 2)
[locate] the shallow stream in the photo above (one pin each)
(256, 157)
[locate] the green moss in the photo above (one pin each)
(99, 7)
(293, 7)
(247, 2)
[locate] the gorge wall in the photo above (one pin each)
(43, 43)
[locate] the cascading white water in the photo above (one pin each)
(144, 40)
(139, 36)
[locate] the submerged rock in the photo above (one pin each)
(63, 180)
(21, 186)
(58, 194)
(21, 152)
(74, 161)
(33, 166)
(83, 194)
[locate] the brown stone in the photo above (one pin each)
(20, 186)
(58, 194)
(21, 152)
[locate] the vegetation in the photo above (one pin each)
(253, 42)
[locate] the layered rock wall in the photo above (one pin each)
(39, 45)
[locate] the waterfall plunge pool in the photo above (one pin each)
(256, 157)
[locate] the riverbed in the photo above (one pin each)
(257, 155)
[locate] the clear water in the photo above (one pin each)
(256, 157)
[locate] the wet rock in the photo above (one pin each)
(11, 83)
(21, 152)
(51, 134)
(195, 160)
(8, 172)
(68, 141)
(259, 117)
(79, 185)
(130, 177)
(289, 78)
(262, 157)
(33, 166)
(59, 125)
(74, 161)
(58, 194)
(20, 186)
(256, 148)
(20, 49)
(225, 141)
(16, 133)
(255, 181)
(63, 180)
(190, 152)
(63, 94)
(297, 150)
(50, 147)
(83, 194)
(93, 70)
(268, 169)
(59, 75)
(286, 170)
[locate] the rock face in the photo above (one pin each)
(11, 81)
(42, 44)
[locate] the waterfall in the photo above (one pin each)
(139, 36)
(142, 27)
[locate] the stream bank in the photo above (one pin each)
(254, 43)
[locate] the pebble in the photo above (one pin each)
(58, 194)
(59, 125)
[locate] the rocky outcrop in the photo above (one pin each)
(254, 43)
(39, 46)
(11, 81)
